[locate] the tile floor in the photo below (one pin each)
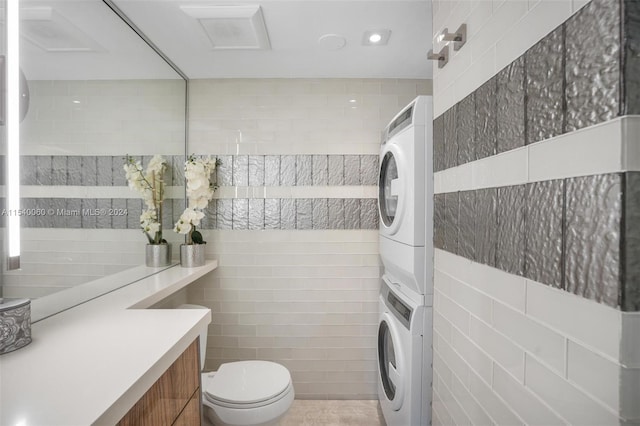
(333, 413)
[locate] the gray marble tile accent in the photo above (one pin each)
(545, 87)
(240, 213)
(28, 170)
(240, 170)
(224, 219)
(225, 171)
(117, 167)
(304, 213)
(467, 224)
(510, 106)
(287, 213)
(167, 215)
(74, 170)
(450, 138)
(368, 213)
(103, 221)
(438, 144)
(631, 64)
(593, 64)
(320, 213)
(336, 213)
(271, 213)
(336, 170)
(466, 115)
(352, 170)
(44, 173)
(511, 226)
(105, 172)
(177, 206)
(320, 170)
(29, 221)
(256, 170)
(369, 170)
(134, 210)
(351, 213)
(272, 170)
(451, 208)
(592, 242)
(89, 170)
(89, 213)
(486, 119)
(59, 170)
(177, 170)
(287, 170)
(303, 170)
(73, 218)
(120, 222)
(439, 215)
(486, 232)
(631, 262)
(256, 214)
(543, 232)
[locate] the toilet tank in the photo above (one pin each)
(203, 335)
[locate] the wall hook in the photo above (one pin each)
(442, 57)
(459, 38)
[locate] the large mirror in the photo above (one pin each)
(98, 92)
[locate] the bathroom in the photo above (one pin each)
(534, 309)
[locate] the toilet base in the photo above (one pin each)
(272, 413)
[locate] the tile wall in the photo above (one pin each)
(298, 295)
(536, 296)
(73, 141)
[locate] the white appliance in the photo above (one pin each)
(400, 357)
(405, 198)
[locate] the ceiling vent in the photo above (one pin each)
(52, 32)
(232, 27)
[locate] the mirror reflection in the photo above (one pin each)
(98, 93)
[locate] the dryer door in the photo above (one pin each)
(391, 188)
(391, 361)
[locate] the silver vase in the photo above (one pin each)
(158, 255)
(192, 255)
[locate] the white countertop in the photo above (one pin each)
(91, 363)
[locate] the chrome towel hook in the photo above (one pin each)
(459, 38)
(442, 57)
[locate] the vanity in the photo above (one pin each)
(108, 360)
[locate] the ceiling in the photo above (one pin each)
(293, 29)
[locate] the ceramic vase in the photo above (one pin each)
(192, 255)
(158, 255)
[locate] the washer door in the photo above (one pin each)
(391, 361)
(391, 187)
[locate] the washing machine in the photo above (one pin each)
(405, 197)
(400, 357)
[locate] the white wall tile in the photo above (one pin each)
(476, 413)
(630, 394)
(536, 339)
(469, 299)
(501, 349)
(572, 404)
(595, 375)
(630, 340)
(452, 359)
(522, 400)
(507, 168)
(598, 327)
(475, 357)
(494, 405)
(505, 287)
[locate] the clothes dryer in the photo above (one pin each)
(406, 194)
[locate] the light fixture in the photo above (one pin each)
(13, 92)
(378, 37)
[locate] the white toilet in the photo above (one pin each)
(244, 393)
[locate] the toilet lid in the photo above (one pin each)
(248, 382)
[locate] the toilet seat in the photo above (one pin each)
(247, 384)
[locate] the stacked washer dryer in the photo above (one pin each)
(406, 249)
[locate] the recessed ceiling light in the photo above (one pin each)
(376, 37)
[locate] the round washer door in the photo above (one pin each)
(390, 362)
(391, 187)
